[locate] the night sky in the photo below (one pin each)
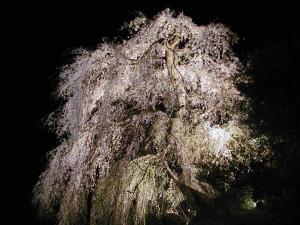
(38, 36)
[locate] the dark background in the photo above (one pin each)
(37, 36)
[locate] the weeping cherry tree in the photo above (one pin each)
(146, 121)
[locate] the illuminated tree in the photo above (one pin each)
(145, 123)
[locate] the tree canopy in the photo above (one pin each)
(154, 128)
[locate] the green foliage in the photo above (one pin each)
(138, 192)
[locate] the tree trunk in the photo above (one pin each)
(171, 59)
(187, 177)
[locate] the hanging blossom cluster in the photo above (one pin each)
(121, 104)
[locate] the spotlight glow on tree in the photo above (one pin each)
(145, 119)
